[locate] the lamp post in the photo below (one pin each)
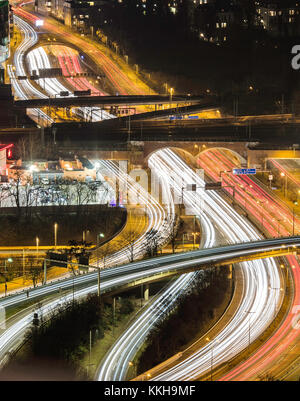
(100, 235)
(23, 266)
(249, 328)
(37, 246)
(55, 235)
(171, 94)
(275, 289)
(282, 174)
(194, 235)
(262, 212)
(212, 356)
(286, 274)
(9, 260)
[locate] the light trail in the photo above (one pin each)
(286, 337)
(258, 277)
(24, 89)
(116, 76)
(38, 59)
(116, 362)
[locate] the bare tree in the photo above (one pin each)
(172, 222)
(35, 272)
(15, 188)
(103, 252)
(153, 238)
(4, 194)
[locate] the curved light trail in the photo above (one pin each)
(116, 362)
(278, 220)
(24, 89)
(258, 277)
(115, 75)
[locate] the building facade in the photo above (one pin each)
(280, 18)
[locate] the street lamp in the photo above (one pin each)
(275, 288)
(55, 235)
(101, 235)
(9, 260)
(212, 355)
(133, 365)
(249, 328)
(261, 203)
(37, 245)
(171, 94)
(194, 235)
(282, 174)
(223, 171)
(287, 272)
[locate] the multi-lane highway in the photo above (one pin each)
(278, 353)
(258, 277)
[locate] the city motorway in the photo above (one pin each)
(46, 87)
(257, 276)
(274, 283)
(276, 219)
(124, 83)
(218, 210)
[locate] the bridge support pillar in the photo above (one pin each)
(146, 292)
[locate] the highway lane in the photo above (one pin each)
(38, 59)
(116, 362)
(24, 89)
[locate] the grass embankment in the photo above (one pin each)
(21, 227)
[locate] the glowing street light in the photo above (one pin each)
(55, 235)
(37, 245)
(275, 288)
(212, 355)
(171, 93)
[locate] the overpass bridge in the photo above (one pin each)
(102, 101)
(134, 274)
(163, 267)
